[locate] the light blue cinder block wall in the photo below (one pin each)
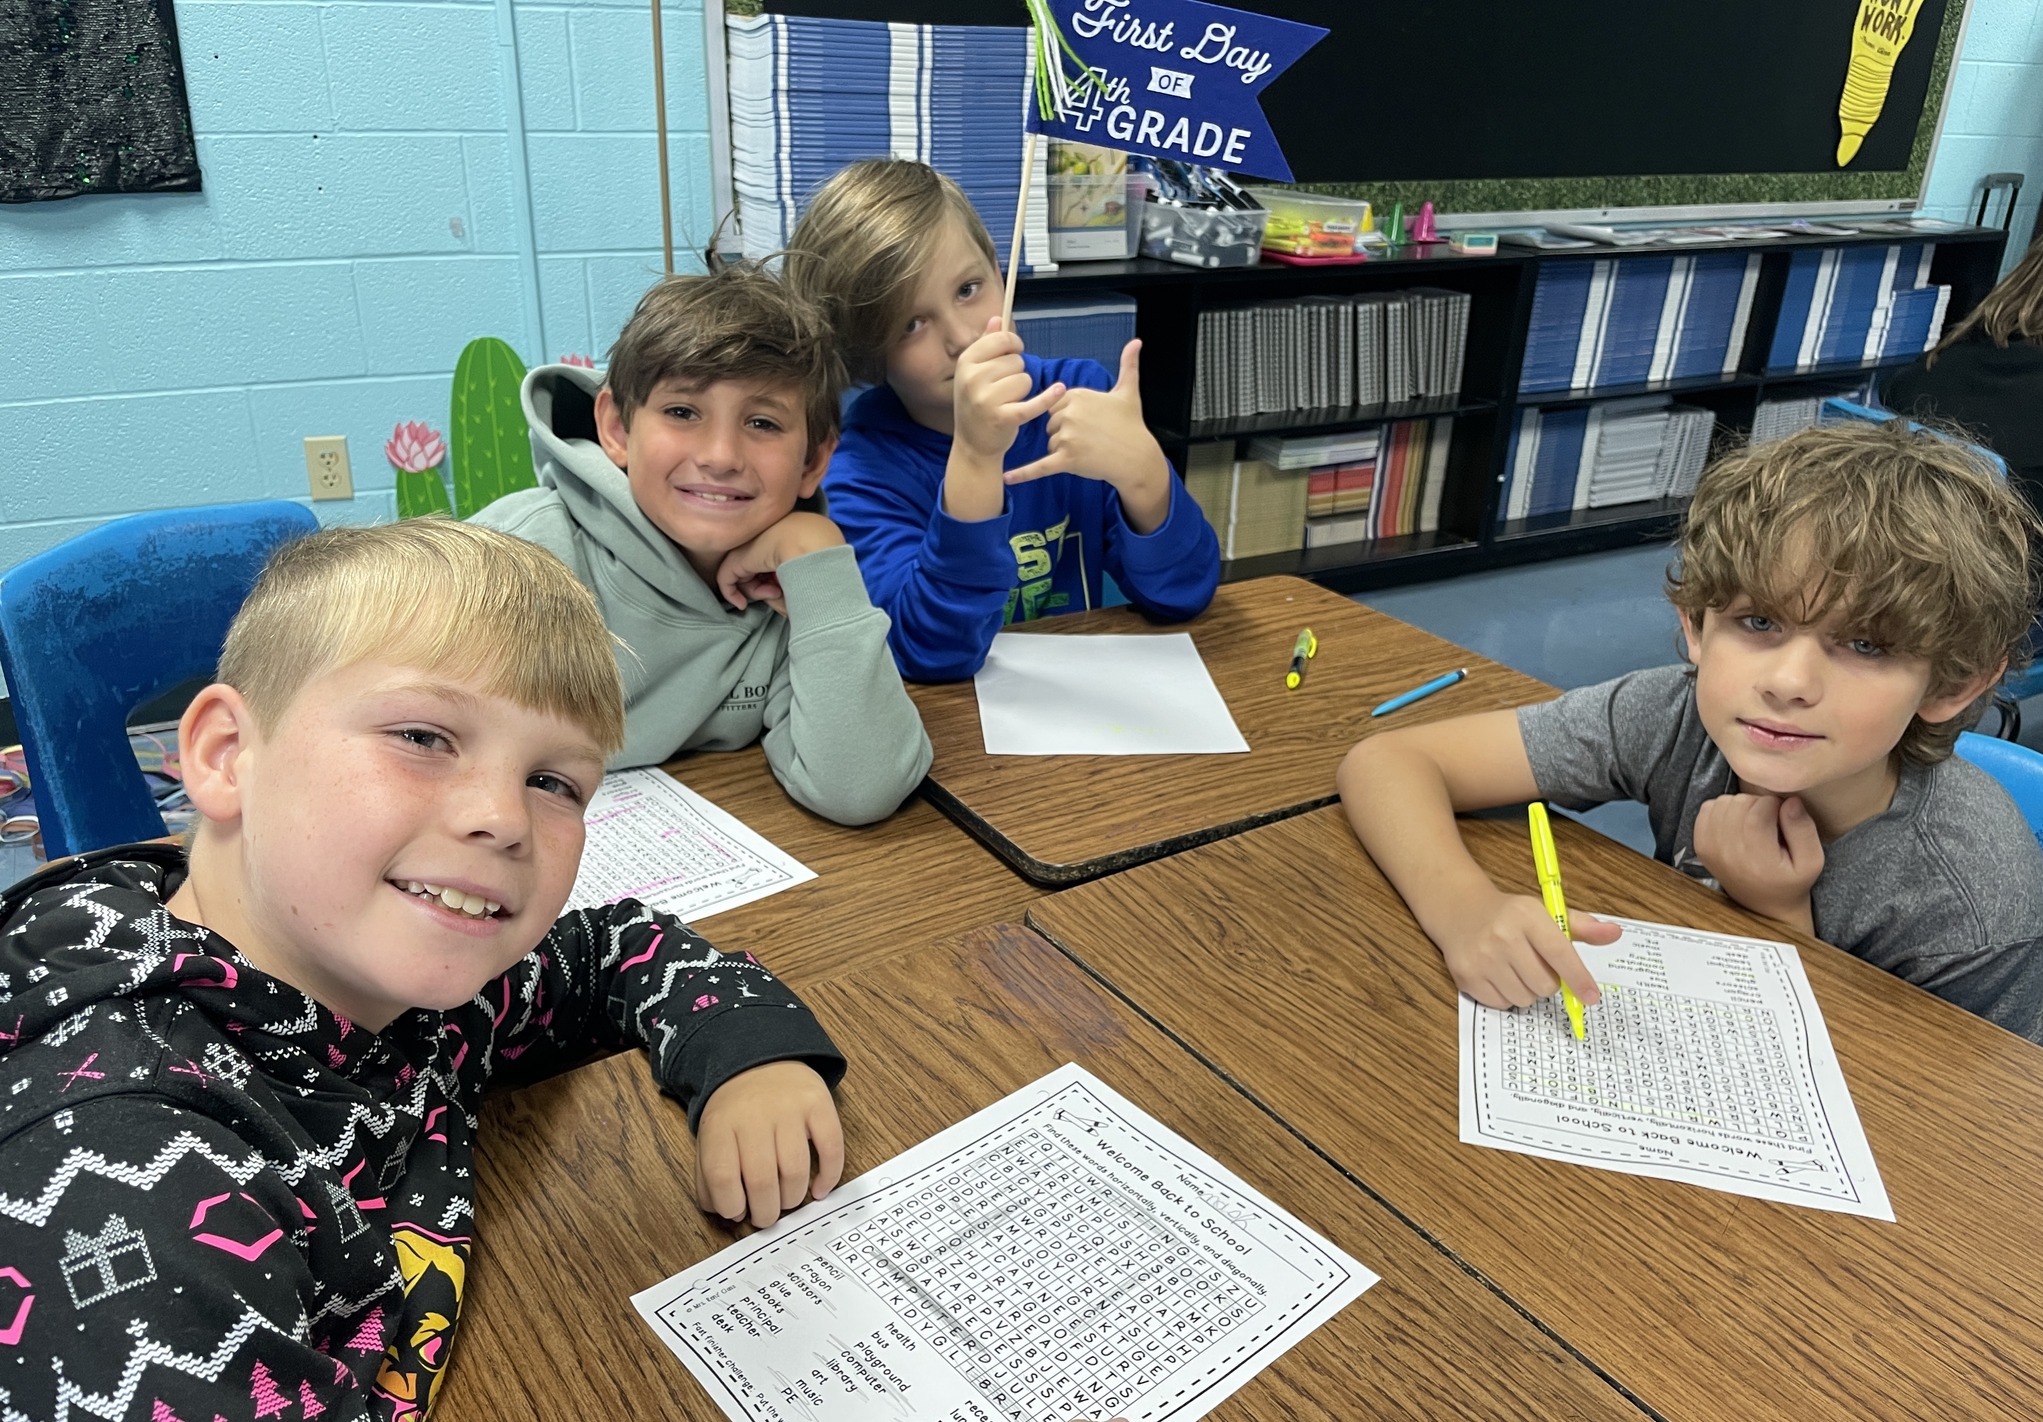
(362, 219)
(1993, 120)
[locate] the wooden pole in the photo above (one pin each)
(660, 126)
(1014, 246)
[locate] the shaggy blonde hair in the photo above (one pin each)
(2012, 311)
(1909, 539)
(867, 237)
(452, 598)
(740, 322)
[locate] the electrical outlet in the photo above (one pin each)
(326, 467)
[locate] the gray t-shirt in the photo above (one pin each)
(1945, 889)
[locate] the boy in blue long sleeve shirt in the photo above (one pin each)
(980, 485)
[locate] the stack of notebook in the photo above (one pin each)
(1094, 327)
(1604, 455)
(1852, 305)
(1329, 353)
(1315, 492)
(809, 95)
(1776, 419)
(1635, 320)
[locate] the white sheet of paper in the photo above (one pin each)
(653, 839)
(1707, 1061)
(1143, 695)
(1060, 1254)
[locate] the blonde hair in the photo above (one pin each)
(867, 237)
(740, 322)
(2012, 311)
(431, 593)
(1911, 540)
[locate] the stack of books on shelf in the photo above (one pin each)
(1318, 492)
(1854, 305)
(1776, 419)
(1329, 352)
(1604, 455)
(1635, 320)
(1094, 327)
(809, 95)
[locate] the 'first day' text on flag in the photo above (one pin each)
(1170, 78)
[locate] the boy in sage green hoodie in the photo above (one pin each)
(669, 485)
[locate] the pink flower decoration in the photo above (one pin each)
(415, 447)
(581, 360)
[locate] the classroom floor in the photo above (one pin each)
(1574, 622)
(1570, 622)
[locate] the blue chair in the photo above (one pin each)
(2018, 769)
(100, 624)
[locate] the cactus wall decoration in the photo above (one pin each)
(416, 451)
(492, 449)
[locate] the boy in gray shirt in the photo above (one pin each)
(671, 489)
(1849, 597)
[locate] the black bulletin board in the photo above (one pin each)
(1497, 105)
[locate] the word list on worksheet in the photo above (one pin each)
(653, 839)
(1706, 1061)
(1059, 1254)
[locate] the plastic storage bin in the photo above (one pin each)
(1203, 236)
(1310, 224)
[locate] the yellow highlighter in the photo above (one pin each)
(1302, 651)
(1546, 862)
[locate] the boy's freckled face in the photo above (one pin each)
(714, 465)
(1796, 708)
(406, 838)
(956, 295)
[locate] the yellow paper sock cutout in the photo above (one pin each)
(1879, 35)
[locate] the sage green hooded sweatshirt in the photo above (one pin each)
(818, 686)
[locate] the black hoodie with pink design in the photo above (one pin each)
(218, 1199)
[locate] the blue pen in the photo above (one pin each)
(1419, 693)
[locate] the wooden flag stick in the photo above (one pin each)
(1014, 246)
(660, 126)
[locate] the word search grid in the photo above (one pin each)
(1059, 1254)
(1707, 1061)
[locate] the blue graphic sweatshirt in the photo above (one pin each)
(949, 585)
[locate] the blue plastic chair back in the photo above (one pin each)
(98, 625)
(2018, 769)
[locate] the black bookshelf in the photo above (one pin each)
(1471, 537)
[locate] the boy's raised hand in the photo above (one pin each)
(990, 394)
(753, 1142)
(1764, 851)
(1100, 434)
(1512, 954)
(750, 572)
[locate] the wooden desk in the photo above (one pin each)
(1285, 960)
(1063, 819)
(586, 1197)
(911, 878)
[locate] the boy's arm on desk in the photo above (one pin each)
(1401, 790)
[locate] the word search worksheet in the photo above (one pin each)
(653, 839)
(1707, 1061)
(1060, 1254)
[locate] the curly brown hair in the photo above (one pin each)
(1907, 537)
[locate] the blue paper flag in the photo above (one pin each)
(1170, 78)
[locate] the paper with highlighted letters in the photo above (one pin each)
(1107, 695)
(1059, 1254)
(1707, 1061)
(653, 839)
